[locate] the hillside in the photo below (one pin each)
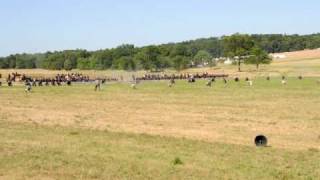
(297, 55)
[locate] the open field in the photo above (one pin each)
(30, 151)
(74, 132)
(297, 55)
(122, 133)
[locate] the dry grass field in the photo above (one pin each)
(189, 131)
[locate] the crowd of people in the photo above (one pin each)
(68, 79)
(58, 79)
(179, 76)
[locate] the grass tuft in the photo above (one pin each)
(177, 161)
(74, 133)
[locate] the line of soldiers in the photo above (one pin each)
(58, 80)
(61, 79)
(249, 81)
(179, 76)
(74, 77)
(14, 77)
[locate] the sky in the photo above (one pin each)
(33, 26)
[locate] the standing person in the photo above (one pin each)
(209, 83)
(283, 81)
(69, 80)
(172, 82)
(134, 82)
(268, 78)
(134, 85)
(225, 81)
(9, 83)
(133, 78)
(28, 86)
(97, 85)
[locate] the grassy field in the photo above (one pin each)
(44, 152)
(189, 131)
(122, 133)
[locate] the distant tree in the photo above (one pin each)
(25, 61)
(71, 59)
(238, 47)
(149, 58)
(39, 60)
(54, 61)
(94, 63)
(179, 50)
(165, 55)
(30, 63)
(68, 64)
(165, 62)
(124, 50)
(258, 56)
(124, 63)
(11, 61)
(202, 57)
(103, 59)
(4, 63)
(83, 63)
(20, 63)
(142, 61)
(180, 63)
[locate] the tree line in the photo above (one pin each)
(242, 48)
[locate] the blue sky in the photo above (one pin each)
(40, 25)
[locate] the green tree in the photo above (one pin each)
(180, 63)
(68, 64)
(179, 50)
(11, 61)
(142, 61)
(162, 56)
(103, 59)
(165, 62)
(124, 50)
(202, 57)
(124, 63)
(258, 56)
(4, 64)
(238, 47)
(83, 64)
(55, 61)
(149, 58)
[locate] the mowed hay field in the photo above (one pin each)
(189, 131)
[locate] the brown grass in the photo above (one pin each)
(233, 114)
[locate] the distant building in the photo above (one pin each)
(278, 56)
(228, 61)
